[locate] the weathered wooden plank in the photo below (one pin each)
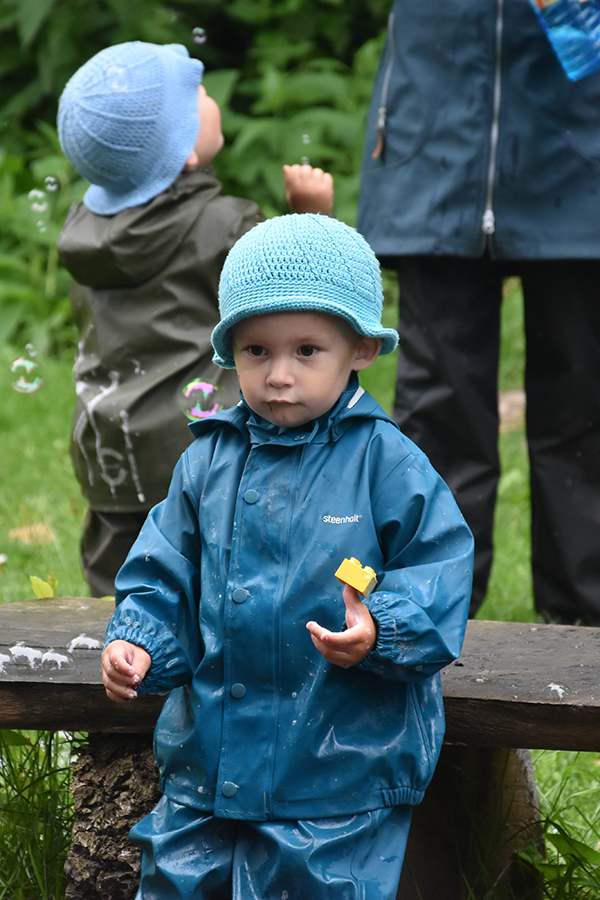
(50, 675)
(515, 685)
(554, 664)
(58, 640)
(536, 726)
(69, 707)
(535, 686)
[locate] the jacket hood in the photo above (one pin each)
(131, 247)
(353, 403)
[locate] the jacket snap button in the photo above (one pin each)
(251, 496)
(229, 789)
(240, 595)
(238, 691)
(299, 437)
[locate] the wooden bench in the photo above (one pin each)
(515, 686)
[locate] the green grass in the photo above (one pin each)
(569, 790)
(36, 814)
(510, 593)
(509, 596)
(38, 487)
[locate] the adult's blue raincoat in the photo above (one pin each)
(229, 568)
(480, 140)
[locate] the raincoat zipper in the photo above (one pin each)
(488, 225)
(382, 111)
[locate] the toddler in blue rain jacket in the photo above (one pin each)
(303, 722)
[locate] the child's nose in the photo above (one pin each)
(280, 373)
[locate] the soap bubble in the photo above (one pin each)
(39, 203)
(198, 400)
(304, 160)
(25, 372)
(51, 183)
(199, 35)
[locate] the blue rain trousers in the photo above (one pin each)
(187, 855)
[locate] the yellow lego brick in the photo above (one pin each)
(361, 579)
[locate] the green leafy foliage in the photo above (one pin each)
(34, 199)
(293, 79)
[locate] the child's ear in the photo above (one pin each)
(366, 353)
(192, 161)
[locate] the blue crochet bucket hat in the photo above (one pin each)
(303, 261)
(128, 121)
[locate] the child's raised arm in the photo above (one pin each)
(347, 648)
(308, 189)
(123, 668)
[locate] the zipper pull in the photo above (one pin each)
(489, 222)
(379, 127)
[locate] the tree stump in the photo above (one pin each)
(114, 784)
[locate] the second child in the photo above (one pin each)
(146, 247)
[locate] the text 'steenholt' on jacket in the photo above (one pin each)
(227, 571)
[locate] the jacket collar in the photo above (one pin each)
(353, 403)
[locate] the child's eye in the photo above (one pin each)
(307, 350)
(255, 350)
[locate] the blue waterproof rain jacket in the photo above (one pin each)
(232, 565)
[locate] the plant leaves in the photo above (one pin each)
(31, 14)
(568, 846)
(13, 738)
(42, 589)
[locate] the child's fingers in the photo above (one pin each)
(118, 657)
(120, 664)
(356, 611)
(326, 643)
(305, 174)
(317, 631)
(118, 693)
(117, 689)
(352, 598)
(342, 648)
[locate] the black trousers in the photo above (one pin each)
(446, 401)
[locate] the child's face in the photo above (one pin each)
(210, 137)
(293, 366)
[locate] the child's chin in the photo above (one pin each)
(287, 416)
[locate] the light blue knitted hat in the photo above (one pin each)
(128, 121)
(303, 261)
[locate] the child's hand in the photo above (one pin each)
(308, 189)
(347, 648)
(123, 668)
